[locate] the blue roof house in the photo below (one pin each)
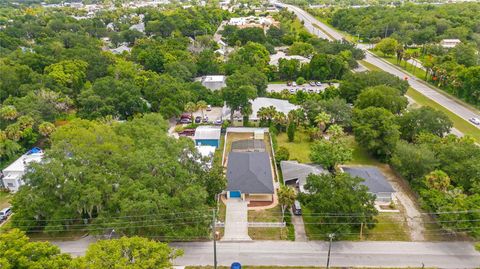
(207, 136)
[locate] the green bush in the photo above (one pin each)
(291, 131)
(282, 154)
(301, 80)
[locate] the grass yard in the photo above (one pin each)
(418, 72)
(369, 65)
(299, 149)
(267, 215)
(5, 198)
(262, 233)
(360, 155)
(459, 123)
(390, 227)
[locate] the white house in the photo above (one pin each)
(12, 175)
(450, 43)
(214, 82)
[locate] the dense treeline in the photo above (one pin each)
(55, 67)
(415, 31)
(127, 176)
(412, 24)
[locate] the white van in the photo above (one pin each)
(5, 213)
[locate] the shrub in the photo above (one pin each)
(300, 80)
(291, 131)
(282, 154)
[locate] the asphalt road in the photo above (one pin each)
(427, 90)
(313, 253)
(344, 254)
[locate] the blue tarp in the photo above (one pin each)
(34, 150)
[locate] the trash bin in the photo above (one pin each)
(236, 265)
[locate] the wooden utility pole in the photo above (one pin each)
(361, 231)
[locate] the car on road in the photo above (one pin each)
(318, 83)
(475, 121)
(312, 83)
(5, 213)
(198, 119)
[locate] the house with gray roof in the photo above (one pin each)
(249, 176)
(375, 181)
(295, 173)
(248, 145)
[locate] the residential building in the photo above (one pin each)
(375, 181)
(12, 174)
(248, 145)
(215, 82)
(208, 136)
(450, 43)
(249, 176)
(280, 105)
(295, 174)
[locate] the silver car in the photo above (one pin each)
(475, 121)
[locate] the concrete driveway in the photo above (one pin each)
(236, 221)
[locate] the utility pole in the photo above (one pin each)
(329, 248)
(361, 231)
(214, 233)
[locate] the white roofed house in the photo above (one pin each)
(12, 175)
(450, 43)
(214, 82)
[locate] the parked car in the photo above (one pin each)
(289, 83)
(294, 84)
(292, 90)
(205, 119)
(297, 208)
(318, 83)
(218, 122)
(475, 121)
(187, 132)
(209, 108)
(312, 83)
(186, 115)
(5, 213)
(185, 120)
(198, 119)
(310, 90)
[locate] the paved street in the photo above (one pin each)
(313, 253)
(427, 90)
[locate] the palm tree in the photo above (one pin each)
(286, 197)
(46, 128)
(8, 112)
(202, 105)
(190, 107)
(322, 119)
(335, 131)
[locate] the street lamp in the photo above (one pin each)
(330, 236)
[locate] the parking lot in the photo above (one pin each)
(305, 87)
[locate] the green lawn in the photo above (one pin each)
(5, 199)
(267, 215)
(299, 149)
(267, 233)
(390, 227)
(419, 73)
(360, 155)
(370, 66)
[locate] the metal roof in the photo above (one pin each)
(207, 132)
(374, 179)
(292, 170)
(249, 172)
(248, 145)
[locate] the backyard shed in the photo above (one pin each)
(207, 136)
(249, 145)
(249, 176)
